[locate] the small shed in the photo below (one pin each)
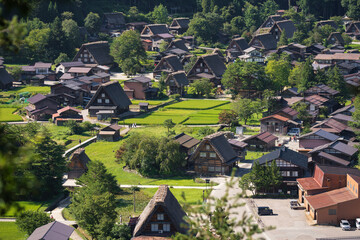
(110, 133)
(144, 106)
(264, 141)
(78, 163)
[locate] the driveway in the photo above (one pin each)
(122, 76)
(292, 224)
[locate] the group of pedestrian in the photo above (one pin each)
(132, 125)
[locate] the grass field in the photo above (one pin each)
(26, 205)
(192, 196)
(151, 102)
(105, 152)
(197, 104)
(250, 155)
(203, 117)
(159, 116)
(9, 231)
(30, 89)
(6, 115)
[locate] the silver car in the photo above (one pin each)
(345, 225)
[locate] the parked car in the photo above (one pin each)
(294, 132)
(294, 204)
(357, 222)
(345, 225)
(265, 211)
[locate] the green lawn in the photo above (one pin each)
(197, 104)
(105, 152)
(6, 115)
(251, 155)
(192, 196)
(159, 116)
(26, 205)
(251, 131)
(151, 102)
(9, 231)
(203, 117)
(30, 89)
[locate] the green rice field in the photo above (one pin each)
(6, 115)
(197, 104)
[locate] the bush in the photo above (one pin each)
(205, 131)
(28, 221)
(175, 96)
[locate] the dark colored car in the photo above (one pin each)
(265, 211)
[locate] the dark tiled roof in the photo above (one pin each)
(186, 140)
(267, 40)
(115, 92)
(339, 170)
(178, 43)
(337, 145)
(241, 42)
(5, 77)
(52, 231)
(343, 117)
(322, 88)
(100, 51)
(165, 199)
(338, 37)
(179, 78)
(72, 64)
(237, 143)
(264, 136)
(140, 79)
(327, 22)
(321, 133)
(222, 147)
(111, 127)
(288, 110)
(332, 123)
(37, 98)
(287, 155)
(42, 65)
(82, 156)
(215, 64)
(348, 108)
(157, 29)
(115, 18)
(174, 63)
(334, 158)
(288, 26)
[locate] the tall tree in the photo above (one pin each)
(283, 39)
(169, 124)
(128, 49)
(202, 87)
(243, 107)
(28, 221)
(337, 82)
(278, 72)
(92, 23)
(352, 8)
(160, 14)
(93, 205)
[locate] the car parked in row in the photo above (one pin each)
(357, 223)
(345, 225)
(265, 211)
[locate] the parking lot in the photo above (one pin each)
(292, 224)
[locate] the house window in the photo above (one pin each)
(207, 147)
(91, 60)
(85, 55)
(206, 70)
(103, 95)
(332, 211)
(166, 227)
(203, 154)
(312, 107)
(198, 70)
(217, 169)
(211, 169)
(154, 227)
(160, 216)
(107, 101)
(201, 64)
(99, 100)
(295, 174)
(79, 59)
(85, 59)
(212, 155)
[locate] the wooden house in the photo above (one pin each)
(236, 48)
(214, 155)
(264, 141)
(137, 26)
(209, 66)
(37, 73)
(41, 107)
(71, 92)
(353, 30)
(347, 110)
(333, 126)
(316, 138)
(65, 66)
(140, 88)
(187, 143)
(335, 38)
(66, 114)
(110, 100)
(270, 21)
(335, 153)
(279, 27)
(330, 23)
(95, 53)
(292, 165)
(176, 82)
(252, 54)
(321, 90)
(167, 64)
(162, 217)
(110, 133)
(178, 44)
(6, 80)
(264, 42)
(114, 21)
(239, 148)
(179, 25)
(287, 112)
(316, 103)
(152, 30)
(277, 124)
(78, 163)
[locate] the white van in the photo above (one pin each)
(357, 222)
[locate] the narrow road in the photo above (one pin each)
(156, 186)
(7, 219)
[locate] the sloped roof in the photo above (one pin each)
(174, 62)
(5, 77)
(64, 109)
(321, 133)
(322, 88)
(37, 98)
(52, 231)
(82, 156)
(339, 170)
(115, 18)
(142, 79)
(330, 198)
(274, 18)
(42, 65)
(186, 140)
(111, 127)
(179, 77)
(337, 145)
(215, 64)
(264, 136)
(178, 43)
(287, 155)
(158, 28)
(222, 147)
(164, 198)
(342, 117)
(114, 90)
(316, 99)
(241, 42)
(276, 116)
(334, 158)
(237, 143)
(289, 111)
(183, 22)
(337, 36)
(72, 64)
(327, 22)
(348, 108)
(99, 50)
(79, 70)
(332, 123)
(288, 26)
(267, 40)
